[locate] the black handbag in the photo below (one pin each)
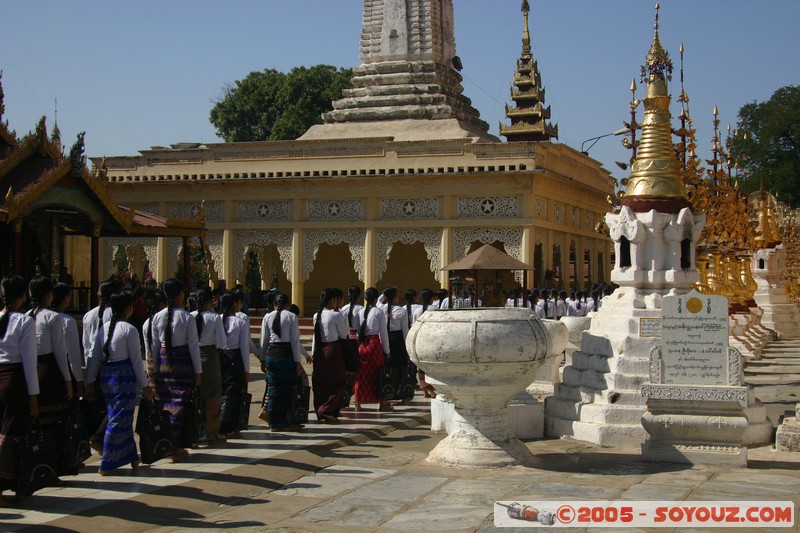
(155, 433)
(194, 422)
(387, 382)
(36, 455)
(244, 412)
(352, 363)
(408, 381)
(298, 408)
(73, 440)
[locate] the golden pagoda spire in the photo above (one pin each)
(655, 181)
(528, 115)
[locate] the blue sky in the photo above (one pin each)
(143, 73)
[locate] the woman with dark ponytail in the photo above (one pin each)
(61, 300)
(329, 374)
(234, 363)
(92, 321)
(352, 309)
(373, 351)
(117, 357)
(398, 330)
(411, 306)
(426, 296)
(176, 360)
(212, 338)
(55, 381)
(280, 342)
(19, 383)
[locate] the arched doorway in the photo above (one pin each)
(262, 270)
(408, 267)
(333, 267)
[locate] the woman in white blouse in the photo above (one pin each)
(329, 375)
(176, 360)
(212, 338)
(19, 384)
(55, 381)
(373, 351)
(61, 300)
(280, 344)
(235, 365)
(117, 358)
(405, 373)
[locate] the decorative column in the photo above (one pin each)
(162, 252)
(447, 253)
(95, 266)
(227, 256)
(527, 246)
(187, 263)
(297, 267)
(370, 253)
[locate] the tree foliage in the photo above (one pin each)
(767, 145)
(272, 105)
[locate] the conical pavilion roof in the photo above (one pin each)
(487, 257)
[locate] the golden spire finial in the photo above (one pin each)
(526, 34)
(655, 174)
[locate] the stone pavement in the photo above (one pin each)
(369, 474)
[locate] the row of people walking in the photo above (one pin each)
(41, 366)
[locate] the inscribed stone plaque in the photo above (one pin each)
(694, 339)
(649, 327)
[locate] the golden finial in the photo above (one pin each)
(715, 112)
(655, 174)
(526, 35)
(657, 58)
(633, 86)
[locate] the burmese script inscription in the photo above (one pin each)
(694, 348)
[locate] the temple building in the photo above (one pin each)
(400, 180)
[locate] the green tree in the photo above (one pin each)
(271, 105)
(767, 145)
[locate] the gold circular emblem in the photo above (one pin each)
(694, 305)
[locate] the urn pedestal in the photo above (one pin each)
(480, 359)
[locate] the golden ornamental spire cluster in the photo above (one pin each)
(655, 181)
(528, 115)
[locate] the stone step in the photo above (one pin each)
(583, 378)
(616, 414)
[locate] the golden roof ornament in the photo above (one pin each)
(528, 115)
(655, 181)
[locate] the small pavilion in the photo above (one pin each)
(484, 277)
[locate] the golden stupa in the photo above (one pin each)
(655, 181)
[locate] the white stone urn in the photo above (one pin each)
(480, 359)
